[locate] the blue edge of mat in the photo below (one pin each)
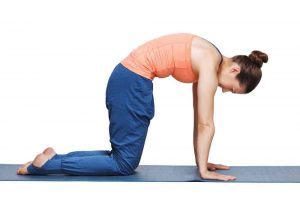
(167, 173)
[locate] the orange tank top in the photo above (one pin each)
(162, 57)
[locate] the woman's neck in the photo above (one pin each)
(227, 62)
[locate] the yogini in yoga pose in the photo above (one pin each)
(129, 100)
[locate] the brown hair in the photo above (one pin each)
(250, 73)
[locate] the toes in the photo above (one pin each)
(19, 171)
(23, 169)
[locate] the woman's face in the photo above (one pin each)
(228, 81)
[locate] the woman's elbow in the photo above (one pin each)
(204, 126)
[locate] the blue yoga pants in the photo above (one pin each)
(130, 104)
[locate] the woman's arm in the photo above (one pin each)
(204, 128)
(195, 106)
(206, 88)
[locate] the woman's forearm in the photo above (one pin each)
(202, 144)
(202, 136)
(195, 138)
(195, 132)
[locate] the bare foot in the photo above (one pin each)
(49, 152)
(42, 158)
(39, 160)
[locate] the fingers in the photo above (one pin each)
(223, 177)
(217, 176)
(227, 178)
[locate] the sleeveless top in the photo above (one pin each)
(162, 57)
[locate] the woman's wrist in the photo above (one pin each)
(202, 169)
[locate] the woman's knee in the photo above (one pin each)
(125, 168)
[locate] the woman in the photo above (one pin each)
(129, 100)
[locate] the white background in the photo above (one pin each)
(55, 60)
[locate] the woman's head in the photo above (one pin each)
(241, 73)
(250, 73)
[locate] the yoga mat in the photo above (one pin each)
(166, 173)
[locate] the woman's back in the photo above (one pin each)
(162, 57)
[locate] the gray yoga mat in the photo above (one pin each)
(166, 173)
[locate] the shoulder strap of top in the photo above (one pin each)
(218, 51)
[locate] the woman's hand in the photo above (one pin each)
(216, 176)
(214, 167)
(210, 174)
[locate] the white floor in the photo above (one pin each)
(141, 191)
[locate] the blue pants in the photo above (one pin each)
(130, 104)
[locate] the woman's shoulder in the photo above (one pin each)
(204, 49)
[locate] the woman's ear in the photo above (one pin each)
(235, 69)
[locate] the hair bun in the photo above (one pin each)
(258, 58)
